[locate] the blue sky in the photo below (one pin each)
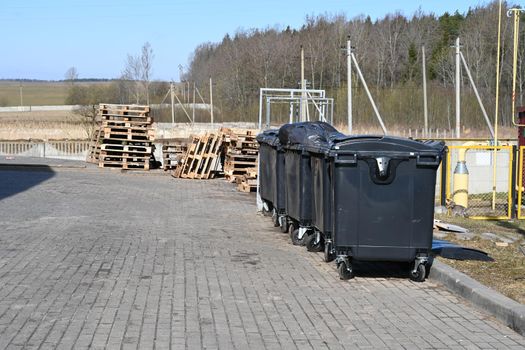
(42, 39)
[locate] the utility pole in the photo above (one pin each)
(349, 82)
(458, 89)
(193, 112)
(425, 103)
(303, 88)
(172, 104)
(211, 101)
(21, 96)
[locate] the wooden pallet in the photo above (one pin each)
(245, 187)
(172, 153)
(126, 148)
(124, 165)
(240, 164)
(201, 158)
(122, 137)
(94, 144)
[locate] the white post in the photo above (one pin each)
(193, 112)
(458, 90)
(303, 87)
(211, 101)
(172, 104)
(349, 82)
(425, 103)
(260, 110)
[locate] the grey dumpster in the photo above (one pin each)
(379, 194)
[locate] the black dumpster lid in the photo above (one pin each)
(307, 134)
(269, 137)
(384, 143)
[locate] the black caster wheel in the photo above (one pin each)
(294, 235)
(267, 209)
(328, 253)
(275, 218)
(345, 271)
(419, 274)
(284, 224)
(312, 245)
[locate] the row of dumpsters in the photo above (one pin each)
(357, 198)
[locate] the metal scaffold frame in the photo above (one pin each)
(300, 102)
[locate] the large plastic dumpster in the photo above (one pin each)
(380, 200)
(298, 174)
(271, 175)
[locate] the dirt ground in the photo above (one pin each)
(502, 240)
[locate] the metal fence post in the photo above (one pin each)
(513, 209)
(444, 178)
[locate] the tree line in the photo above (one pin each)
(388, 51)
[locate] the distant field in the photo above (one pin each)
(35, 93)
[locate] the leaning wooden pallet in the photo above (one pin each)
(201, 158)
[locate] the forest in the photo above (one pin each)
(389, 53)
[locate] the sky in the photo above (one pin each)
(43, 38)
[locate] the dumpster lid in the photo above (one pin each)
(269, 137)
(384, 143)
(307, 134)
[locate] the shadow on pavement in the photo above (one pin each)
(15, 179)
(381, 269)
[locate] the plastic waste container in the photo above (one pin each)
(271, 175)
(375, 196)
(298, 174)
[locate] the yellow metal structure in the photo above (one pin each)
(455, 191)
(519, 184)
(460, 193)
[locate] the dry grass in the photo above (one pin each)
(42, 130)
(507, 273)
(39, 116)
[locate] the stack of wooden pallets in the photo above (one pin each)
(173, 152)
(248, 181)
(122, 137)
(242, 151)
(201, 159)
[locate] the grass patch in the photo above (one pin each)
(38, 93)
(507, 273)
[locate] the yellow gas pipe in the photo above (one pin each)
(460, 190)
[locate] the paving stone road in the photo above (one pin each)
(99, 259)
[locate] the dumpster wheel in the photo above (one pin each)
(329, 254)
(294, 234)
(284, 224)
(267, 209)
(419, 274)
(345, 270)
(314, 242)
(275, 218)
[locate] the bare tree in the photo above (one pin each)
(146, 61)
(138, 72)
(71, 75)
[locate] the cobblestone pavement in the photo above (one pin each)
(100, 259)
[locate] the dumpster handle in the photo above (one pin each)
(346, 161)
(436, 161)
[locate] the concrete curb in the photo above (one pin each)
(505, 309)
